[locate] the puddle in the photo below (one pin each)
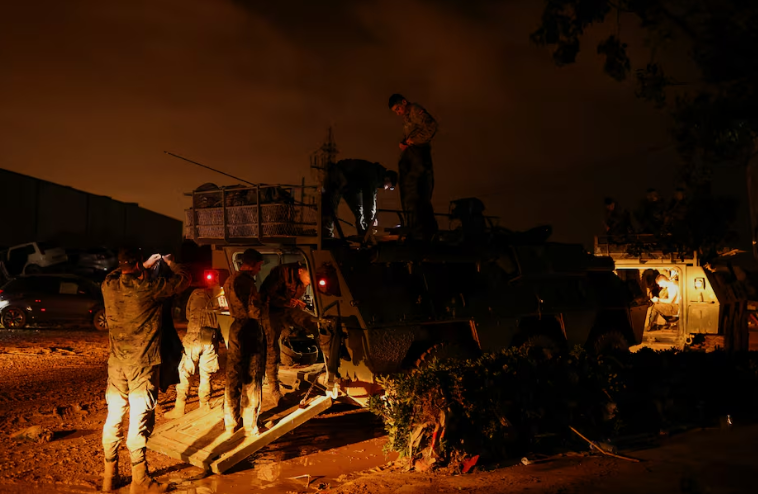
(322, 469)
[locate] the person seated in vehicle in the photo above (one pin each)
(356, 181)
(665, 305)
(281, 293)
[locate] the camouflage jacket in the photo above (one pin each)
(133, 309)
(282, 285)
(242, 296)
(418, 125)
(199, 316)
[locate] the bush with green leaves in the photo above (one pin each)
(506, 403)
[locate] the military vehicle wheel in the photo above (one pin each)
(14, 318)
(444, 351)
(99, 322)
(610, 342)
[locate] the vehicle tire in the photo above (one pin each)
(14, 318)
(32, 269)
(99, 322)
(609, 342)
(445, 351)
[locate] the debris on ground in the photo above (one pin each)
(35, 433)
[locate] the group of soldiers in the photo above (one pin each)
(357, 181)
(136, 299)
(653, 216)
(134, 302)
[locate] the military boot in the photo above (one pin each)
(142, 482)
(110, 475)
(178, 410)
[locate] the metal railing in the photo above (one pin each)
(644, 245)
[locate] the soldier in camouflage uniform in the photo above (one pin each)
(246, 356)
(200, 351)
(281, 292)
(415, 167)
(357, 182)
(133, 306)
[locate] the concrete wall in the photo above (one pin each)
(36, 210)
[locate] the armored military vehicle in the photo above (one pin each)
(715, 299)
(400, 302)
(392, 303)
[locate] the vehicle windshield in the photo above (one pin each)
(43, 246)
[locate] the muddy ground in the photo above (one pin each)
(55, 379)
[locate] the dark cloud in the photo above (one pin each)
(93, 92)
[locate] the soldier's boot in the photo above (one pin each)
(178, 410)
(275, 388)
(110, 475)
(143, 483)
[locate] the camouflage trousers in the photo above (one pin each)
(201, 358)
(416, 181)
(277, 322)
(134, 389)
(660, 309)
(245, 368)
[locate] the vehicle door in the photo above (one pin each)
(18, 257)
(75, 299)
(41, 293)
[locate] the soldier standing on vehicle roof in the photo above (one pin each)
(246, 356)
(618, 221)
(133, 303)
(200, 351)
(357, 182)
(415, 167)
(282, 291)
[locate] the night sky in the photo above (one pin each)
(93, 92)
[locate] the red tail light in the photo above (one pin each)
(210, 276)
(322, 285)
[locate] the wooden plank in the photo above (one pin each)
(252, 444)
(175, 449)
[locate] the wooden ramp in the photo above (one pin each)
(198, 438)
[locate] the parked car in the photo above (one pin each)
(97, 259)
(32, 257)
(51, 298)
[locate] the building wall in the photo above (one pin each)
(36, 210)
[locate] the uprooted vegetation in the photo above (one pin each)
(522, 400)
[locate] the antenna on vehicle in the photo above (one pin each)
(209, 168)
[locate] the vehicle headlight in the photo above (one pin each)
(4, 304)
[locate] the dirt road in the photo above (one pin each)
(56, 379)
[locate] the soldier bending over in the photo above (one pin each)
(282, 291)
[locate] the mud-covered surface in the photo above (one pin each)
(54, 380)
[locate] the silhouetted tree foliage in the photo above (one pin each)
(716, 115)
(715, 112)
